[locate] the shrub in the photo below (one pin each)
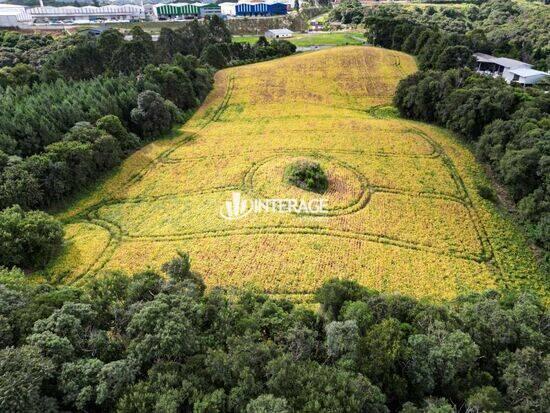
(179, 271)
(114, 127)
(173, 83)
(179, 268)
(486, 192)
(28, 238)
(4, 160)
(19, 186)
(213, 56)
(152, 115)
(307, 175)
(267, 403)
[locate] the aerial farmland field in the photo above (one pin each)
(403, 210)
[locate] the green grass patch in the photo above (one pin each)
(251, 39)
(314, 39)
(328, 39)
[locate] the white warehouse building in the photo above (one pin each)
(19, 16)
(278, 33)
(87, 13)
(228, 8)
(11, 15)
(526, 76)
(511, 70)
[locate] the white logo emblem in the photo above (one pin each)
(239, 207)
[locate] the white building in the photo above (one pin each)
(11, 15)
(511, 70)
(289, 3)
(228, 9)
(208, 9)
(527, 76)
(278, 33)
(126, 12)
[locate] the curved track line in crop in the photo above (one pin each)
(62, 276)
(474, 217)
(302, 230)
(397, 64)
(119, 235)
(186, 139)
(433, 154)
(361, 202)
(357, 204)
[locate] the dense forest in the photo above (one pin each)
(147, 343)
(105, 96)
(503, 28)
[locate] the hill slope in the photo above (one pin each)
(403, 210)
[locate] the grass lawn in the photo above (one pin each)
(248, 38)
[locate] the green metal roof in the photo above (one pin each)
(178, 9)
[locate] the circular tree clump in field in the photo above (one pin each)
(307, 175)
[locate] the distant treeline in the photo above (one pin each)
(155, 342)
(433, 48)
(502, 27)
(65, 120)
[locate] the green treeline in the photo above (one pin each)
(149, 344)
(57, 136)
(508, 28)
(33, 117)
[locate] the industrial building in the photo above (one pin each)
(243, 8)
(209, 9)
(511, 70)
(254, 9)
(228, 8)
(278, 33)
(174, 10)
(526, 76)
(127, 12)
(10, 15)
(19, 16)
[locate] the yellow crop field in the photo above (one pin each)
(402, 212)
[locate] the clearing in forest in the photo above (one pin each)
(403, 212)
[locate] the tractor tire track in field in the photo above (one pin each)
(358, 204)
(165, 154)
(304, 230)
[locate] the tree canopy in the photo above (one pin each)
(145, 343)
